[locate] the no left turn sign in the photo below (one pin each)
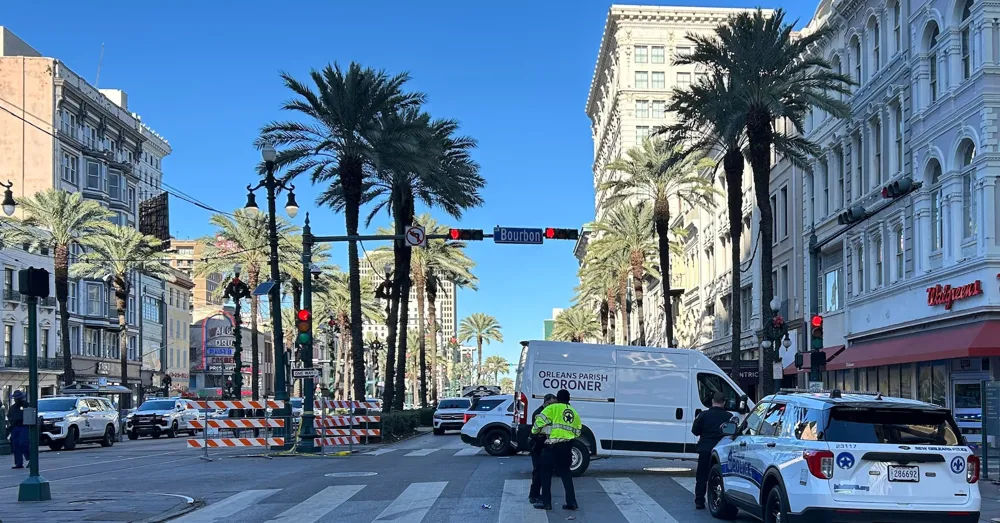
(415, 236)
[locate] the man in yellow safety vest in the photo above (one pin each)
(565, 426)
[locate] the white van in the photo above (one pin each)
(634, 401)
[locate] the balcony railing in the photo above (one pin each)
(21, 362)
(11, 295)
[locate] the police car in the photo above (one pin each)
(851, 457)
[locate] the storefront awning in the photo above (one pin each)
(975, 340)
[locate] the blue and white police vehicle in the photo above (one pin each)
(845, 457)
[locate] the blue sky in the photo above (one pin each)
(205, 76)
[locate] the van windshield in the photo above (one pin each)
(892, 426)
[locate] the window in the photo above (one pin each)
(774, 215)
(150, 309)
(682, 51)
(898, 242)
(933, 65)
(824, 175)
(43, 342)
(115, 186)
(90, 341)
(753, 420)
(94, 176)
(70, 165)
(658, 54)
(900, 160)
(132, 351)
(727, 316)
(71, 299)
(877, 143)
(659, 109)
(831, 290)
(892, 427)
(641, 133)
(659, 81)
(709, 384)
(967, 40)
(857, 155)
(860, 264)
(94, 301)
(876, 47)
(25, 341)
(746, 307)
(785, 211)
(771, 425)
(877, 254)
(937, 209)
(641, 80)
(968, 190)
(74, 339)
(897, 16)
(856, 47)
(641, 54)
(683, 80)
(642, 108)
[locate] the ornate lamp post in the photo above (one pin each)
(775, 333)
(237, 291)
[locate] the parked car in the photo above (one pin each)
(66, 421)
(450, 414)
(489, 423)
(161, 416)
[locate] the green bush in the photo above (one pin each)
(398, 425)
(426, 417)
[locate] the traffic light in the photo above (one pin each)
(466, 234)
(853, 215)
(900, 187)
(817, 332)
(303, 322)
(561, 234)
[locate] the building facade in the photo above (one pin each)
(61, 132)
(447, 307)
(206, 296)
(177, 362)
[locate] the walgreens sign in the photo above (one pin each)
(947, 295)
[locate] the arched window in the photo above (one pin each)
(937, 211)
(967, 151)
(856, 51)
(860, 268)
(897, 17)
(932, 57)
(966, 29)
(877, 150)
(899, 138)
(837, 68)
(876, 45)
(877, 256)
(897, 242)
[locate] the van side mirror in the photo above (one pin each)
(744, 404)
(728, 428)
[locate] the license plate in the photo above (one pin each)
(904, 474)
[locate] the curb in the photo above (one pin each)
(176, 513)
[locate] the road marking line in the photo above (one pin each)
(226, 507)
(469, 451)
(94, 463)
(687, 483)
(412, 505)
(633, 503)
(319, 505)
(454, 445)
(421, 452)
(514, 504)
(379, 452)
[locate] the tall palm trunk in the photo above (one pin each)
(62, 296)
(405, 211)
(479, 355)
(252, 280)
(661, 220)
(733, 166)
(612, 316)
(637, 260)
(345, 349)
(351, 176)
(626, 309)
(759, 133)
(418, 284)
(392, 325)
(604, 320)
(121, 301)
(436, 382)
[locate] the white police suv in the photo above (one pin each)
(832, 457)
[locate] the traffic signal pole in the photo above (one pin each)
(307, 430)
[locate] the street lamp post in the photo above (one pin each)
(775, 333)
(307, 441)
(237, 291)
(272, 185)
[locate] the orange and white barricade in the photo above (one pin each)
(336, 430)
(265, 423)
(335, 441)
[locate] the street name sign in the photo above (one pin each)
(305, 373)
(518, 235)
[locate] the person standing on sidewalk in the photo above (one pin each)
(535, 445)
(708, 427)
(557, 456)
(18, 430)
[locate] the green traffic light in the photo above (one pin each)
(817, 343)
(304, 338)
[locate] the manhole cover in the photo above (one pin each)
(351, 474)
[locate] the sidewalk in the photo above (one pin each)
(98, 506)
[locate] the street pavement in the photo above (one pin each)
(425, 479)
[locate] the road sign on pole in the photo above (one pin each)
(299, 374)
(518, 235)
(415, 236)
(263, 288)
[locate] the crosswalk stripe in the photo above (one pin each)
(421, 452)
(686, 482)
(514, 503)
(226, 507)
(319, 505)
(471, 451)
(412, 505)
(633, 503)
(454, 445)
(379, 452)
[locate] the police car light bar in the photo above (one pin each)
(828, 391)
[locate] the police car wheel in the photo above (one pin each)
(497, 443)
(717, 503)
(774, 508)
(69, 443)
(109, 437)
(580, 458)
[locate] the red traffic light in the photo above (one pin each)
(550, 233)
(303, 315)
(817, 321)
(554, 233)
(466, 234)
(454, 233)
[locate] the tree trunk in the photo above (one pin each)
(604, 321)
(252, 280)
(612, 316)
(62, 296)
(479, 353)
(626, 309)
(637, 259)
(392, 325)
(418, 284)
(661, 220)
(759, 134)
(402, 276)
(733, 167)
(351, 174)
(121, 301)
(345, 346)
(436, 381)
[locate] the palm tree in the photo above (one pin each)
(507, 386)
(776, 77)
(242, 239)
(595, 288)
(658, 174)
(705, 122)
(336, 145)
(576, 324)
(333, 304)
(68, 219)
(482, 327)
(496, 365)
(629, 229)
(118, 252)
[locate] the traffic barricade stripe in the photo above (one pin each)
(234, 442)
(327, 442)
(237, 423)
(344, 404)
(351, 432)
(343, 421)
(249, 404)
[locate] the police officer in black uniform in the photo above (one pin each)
(535, 446)
(708, 427)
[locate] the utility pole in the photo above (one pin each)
(304, 338)
(34, 284)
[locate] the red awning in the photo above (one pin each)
(831, 353)
(976, 340)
